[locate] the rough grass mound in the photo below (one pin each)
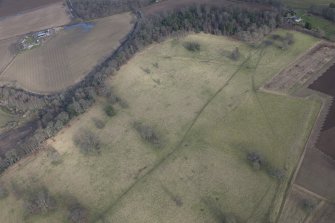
(192, 46)
(147, 133)
(87, 142)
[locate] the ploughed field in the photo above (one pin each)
(326, 84)
(67, 57)
(13, 7)
(47, 16)
(174, 145)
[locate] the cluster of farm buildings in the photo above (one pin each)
(35, 39)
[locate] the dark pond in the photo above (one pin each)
(85, 26)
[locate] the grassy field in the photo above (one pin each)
(68, 56)
(325, 25)
(208, 114)
(305, 4)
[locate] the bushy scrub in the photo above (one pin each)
(87, 141)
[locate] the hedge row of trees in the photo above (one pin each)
(59, 109)
(327, 12)
(91, 9)
(276, 3)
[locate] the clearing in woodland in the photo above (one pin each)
(68, 56)
(190, 138)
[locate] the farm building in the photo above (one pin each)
(42, 34)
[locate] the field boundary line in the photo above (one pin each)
(303, 189)
(307, 146)
(322, 114)
(2, 71)
(310, 216)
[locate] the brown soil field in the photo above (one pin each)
(68, 56)
(169, 5)
(53, 15)
(303, 69)
(13, 7)
(6, 54)
(317, 174)
(326, 84)
(326, 140)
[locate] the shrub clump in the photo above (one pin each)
(235, 54)
(100, 124)
(258, 163)
(87, 142)
(256, 160)
(307, 205)
(147, 133)
(78, 213)
(39, 201)
(276, 173)
(54, 156)
(192, 46)
(229, 219)
(109, 110)
(285, 41)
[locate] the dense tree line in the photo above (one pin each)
(90, 9)
(59, 109)
(276, 3)
(327, 12)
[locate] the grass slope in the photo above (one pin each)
(305, 4)
(325, 25)
(207, 111)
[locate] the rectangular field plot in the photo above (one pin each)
(176, 148)
(68, 56)
(49, 16)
